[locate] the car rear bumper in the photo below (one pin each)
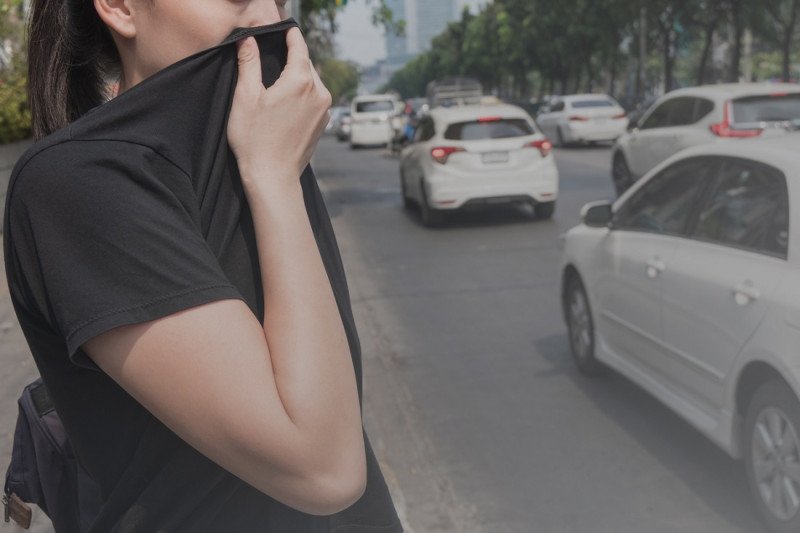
(371, 133)
(537, 185)
(592, 132)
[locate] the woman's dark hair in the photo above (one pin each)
(70, 57)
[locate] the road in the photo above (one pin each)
(471, 401)
(479, 417)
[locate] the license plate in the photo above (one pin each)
(494, 157)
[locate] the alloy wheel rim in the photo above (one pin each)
(776, 463)
(580, 329)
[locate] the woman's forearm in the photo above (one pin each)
(306, 338)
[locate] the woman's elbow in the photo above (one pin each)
(336, 492)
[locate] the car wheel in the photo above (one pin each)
(621, 174)
(431, 217)
(580, 327)
(772, 460)
(407, 202)
(544, 210)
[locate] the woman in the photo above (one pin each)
(188, 312)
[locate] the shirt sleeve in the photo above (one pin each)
(107, 234)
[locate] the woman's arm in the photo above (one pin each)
(274, 403)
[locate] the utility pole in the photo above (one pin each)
(294, 10)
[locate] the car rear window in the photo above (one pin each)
(494, 129)
(583, 104)
(766, 108)
(374, 107)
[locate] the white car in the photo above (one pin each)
(697, 115)
(689, 285)
(477, 155)
(370, 119)
(582, 118)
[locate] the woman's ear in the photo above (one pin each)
(118, 15)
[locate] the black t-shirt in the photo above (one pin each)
(133, 212)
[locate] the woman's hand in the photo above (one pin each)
(273, 132)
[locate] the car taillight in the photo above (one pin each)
(621, 115)
(578, 118)
(441, 153)
(724, 129)
(543, 145)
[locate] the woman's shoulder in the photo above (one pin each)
(63, 168)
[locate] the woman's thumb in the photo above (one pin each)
(249, 62)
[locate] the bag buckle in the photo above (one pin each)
(17, 510)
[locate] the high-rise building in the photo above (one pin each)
(432, 19)
(424, 20)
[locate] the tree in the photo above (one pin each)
(341, 78)
(781, 27)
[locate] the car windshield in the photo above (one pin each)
(583, 104)
(374, 106)
(767, 108)
(480, 130)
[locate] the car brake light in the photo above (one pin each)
(544, 146)
(578, 118)
(489, 119)
(440, 154)
(724, 129)
(621, 115)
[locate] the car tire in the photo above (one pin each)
(621, 174)
(407, 202)
(772, 455)
(544, 210)
(580, 327)
(430, 216)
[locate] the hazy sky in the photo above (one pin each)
(358, 40)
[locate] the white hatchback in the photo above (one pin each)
(697, 115)
(690, 286)
(370, 119)
(478, 155)
(582, 118)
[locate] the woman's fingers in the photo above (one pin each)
(249, 66)
(298, 49)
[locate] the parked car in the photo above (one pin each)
(477, 155)
(689, 285)
(697, 115)
(371, 117)
(336, 112)
(582, 118)
(341, 126)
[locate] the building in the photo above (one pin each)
(424, 20)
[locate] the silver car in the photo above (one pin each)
(689, 285)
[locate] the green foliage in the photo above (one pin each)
(15, 115)
(341, 78)
(524, 48)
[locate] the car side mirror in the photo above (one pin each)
(597, 214)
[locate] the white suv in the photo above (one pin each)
(478, 155)
(698, 115)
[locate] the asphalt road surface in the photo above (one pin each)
(480, 420)
(471, 401)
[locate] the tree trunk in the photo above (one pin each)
(786, 46)
(708, 41)
(668, 60)
(612, 74)
(736, 53)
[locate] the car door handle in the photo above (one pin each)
(655, 267)
(745, 293)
